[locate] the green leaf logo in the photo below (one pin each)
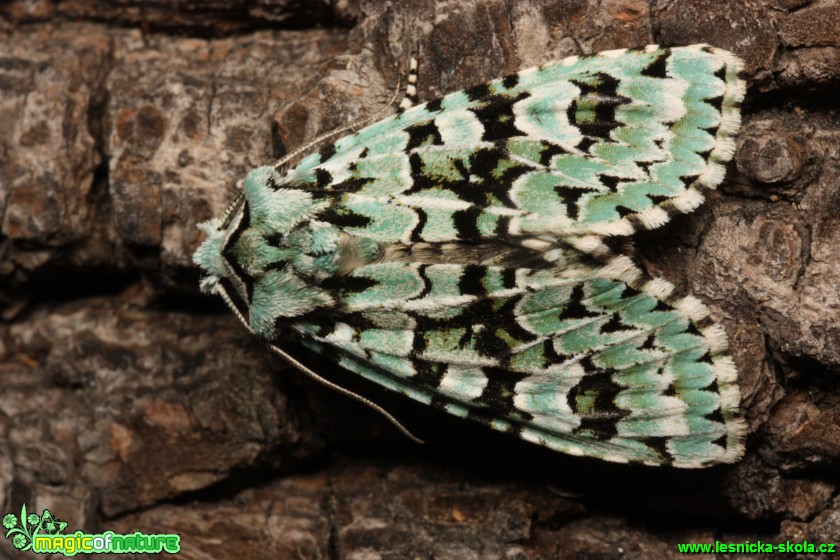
(23, 529)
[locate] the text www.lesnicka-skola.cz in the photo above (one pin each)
(758, 547)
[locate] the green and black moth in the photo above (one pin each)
(471, 253)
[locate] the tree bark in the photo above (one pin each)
(128, 401)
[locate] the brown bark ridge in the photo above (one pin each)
(130, 402)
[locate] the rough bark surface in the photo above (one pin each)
(130, 402)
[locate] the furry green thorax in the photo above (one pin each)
(269, 253)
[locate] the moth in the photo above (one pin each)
(472, 253)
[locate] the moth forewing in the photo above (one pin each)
(463, 252)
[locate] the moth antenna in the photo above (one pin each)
(240, 196)
(410, 98)
(229, 302)
(314, 376)
(346, 392)
(358, 123)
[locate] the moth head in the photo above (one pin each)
(217, 260)
(259, 255)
